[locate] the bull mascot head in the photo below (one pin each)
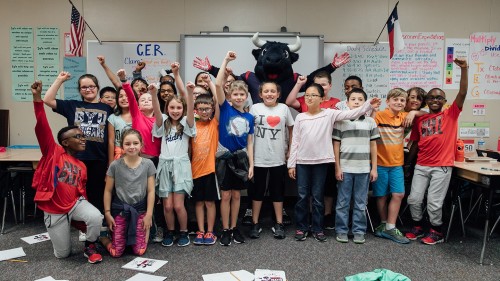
(274, 59)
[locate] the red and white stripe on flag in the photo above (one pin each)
(396, 42)
(76, 33)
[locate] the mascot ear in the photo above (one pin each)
(294, 57)
(256, 53)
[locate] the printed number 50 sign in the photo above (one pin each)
(469, 146)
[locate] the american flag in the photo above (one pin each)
(77, 31)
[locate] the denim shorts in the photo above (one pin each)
(390, 180)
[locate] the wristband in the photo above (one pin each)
(123, 80)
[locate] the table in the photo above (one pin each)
(486, 174)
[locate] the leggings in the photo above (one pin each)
(119, 237)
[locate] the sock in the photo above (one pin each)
(389, 226)
(383, 222)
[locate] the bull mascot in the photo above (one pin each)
(274, 63)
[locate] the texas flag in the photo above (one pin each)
(396, 42)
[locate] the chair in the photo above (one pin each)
(20, 173)
(7, 191)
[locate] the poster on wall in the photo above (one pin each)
(454, 48)
(420, 63)
(22, 62)
(77, 67)
(47, 56)
(484, 65)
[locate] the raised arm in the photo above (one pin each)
(355, 113)
(112, 77)
(132, 102)
(178, 80)
(137, 73)
(50, 95)
(42, 128)
(337, 62)
(156, 105)
(216, 108)
(206, 78)
(462, 92)
(291, 100)
(222, 76)
(205, 65)
(190, 104)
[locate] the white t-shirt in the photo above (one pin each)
(173, 145)
(271, 134)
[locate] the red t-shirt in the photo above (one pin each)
(437, 137)
(324, 104)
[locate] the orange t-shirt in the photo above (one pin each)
(391, 143)
(204, 147)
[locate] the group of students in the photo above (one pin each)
(137, 145)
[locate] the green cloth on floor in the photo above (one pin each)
(379, 274)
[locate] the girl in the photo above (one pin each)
(310, 153)
(120, 121)
(129, 198)
(167, 89)
(416, 96)
(174, 178)
(273, 127)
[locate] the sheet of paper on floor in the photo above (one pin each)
(49, 278)
(240, 275)
(36, 238)
(145, 264)
(12, 254)
(267, 274)
(146, 277)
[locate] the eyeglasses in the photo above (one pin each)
(311, 96)
(77, 136)
(208, 109)
(438, 98)
(87, 88)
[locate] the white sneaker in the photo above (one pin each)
(159, 235)
(82, 237)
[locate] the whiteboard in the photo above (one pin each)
(216, 47)
(157, 55)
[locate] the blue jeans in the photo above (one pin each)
(310, 182)
(357, 184)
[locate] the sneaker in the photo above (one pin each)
(82, 237)
(247, 218)
(237, 237)
(168, 239)
(342, 238)
(286, 218)
(209, 238)
(103, 232)
(279, 231)
(319, 236)
(395, 235)
(225, 239)
(329, 222)
(379, 230)
(199, 240)
(300, 235)
(90, 252)
(158, 238)
(359, 239)
(183, 239)
(433, 237)
(255, 231)
(415, 233)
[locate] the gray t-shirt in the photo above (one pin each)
(131, 185)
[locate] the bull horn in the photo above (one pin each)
(295, 47)
(257, 41)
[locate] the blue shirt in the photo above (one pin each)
(234, 127)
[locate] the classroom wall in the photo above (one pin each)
(165, 20)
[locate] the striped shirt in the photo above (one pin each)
(391, 143)
(355, 137)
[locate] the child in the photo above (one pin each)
(107, 95)
(354, 148)
(350, 83)
(234, 166)
(165, 91)
(434, 137)
(120, 121)
(390, 158)
(416, 96)
(310, 153)
(60, 187)
(174, 178)
(203, 147)
(273, 127)
(129, 198)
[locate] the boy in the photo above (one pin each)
(436, 134)
(390, 160)
(204, 146)
(60, 184)
(350, 83)
(234, 164)
(354, 147)
(108, 95)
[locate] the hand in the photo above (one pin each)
(152, 90)
(375, 103)
(121, 74)
(205, 77)
(462, 63)
(64, 76)
(250, 172)
(291, 173)
(36, 88)
(190, 87)
(301, 80)
(373, 175)
(147, 221)
(202, 64)
(409, 119)
(230, 56)
(140, 66)
(339, 61)
(110, 221)
(101, 59)
(175, 67)
(339, 175)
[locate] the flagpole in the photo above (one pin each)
(100, 43)
(376, 40)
